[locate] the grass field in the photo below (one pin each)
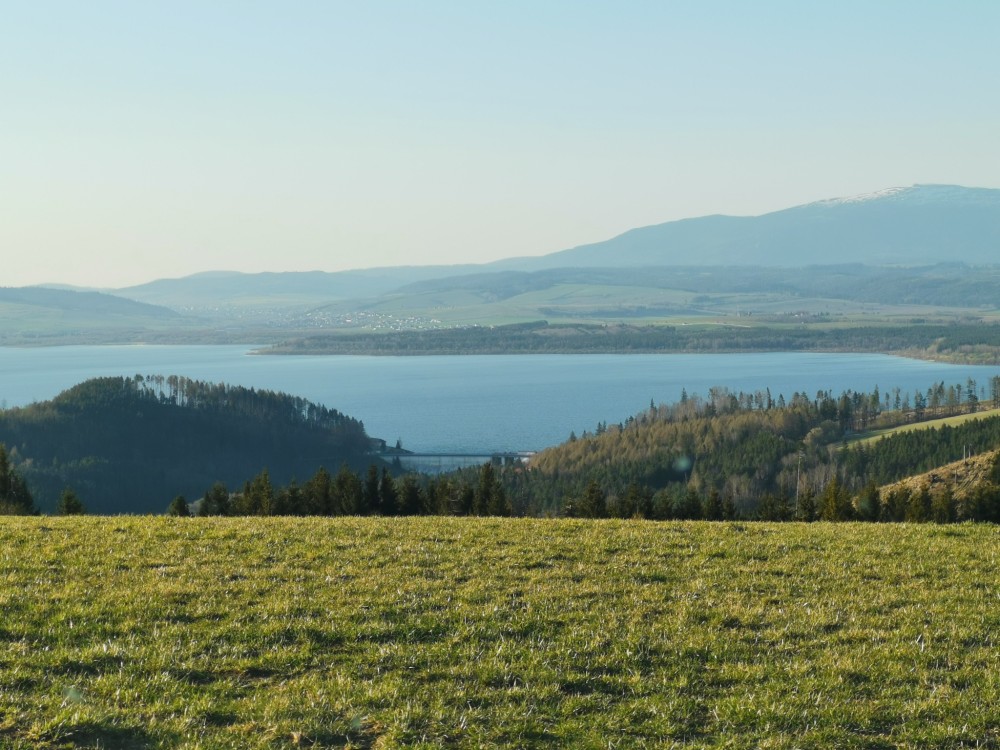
(930, 424)
(269, 633)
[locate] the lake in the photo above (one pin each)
(477, 403)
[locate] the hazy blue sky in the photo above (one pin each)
(148, 139)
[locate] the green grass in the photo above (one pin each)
(930, 424)
(268, 633)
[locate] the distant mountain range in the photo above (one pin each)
(912, 226)
(941, 232)
(84, 302)
(918, 225)
(293, 288)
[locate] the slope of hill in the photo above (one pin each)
(692, 290)
(129, 445)
(926, 250)
(964, 478)
(40, 315)
(93, 303)
(228, 290)
(472, 633)
(919, 225)
(915, 225)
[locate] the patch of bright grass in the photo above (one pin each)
(270, 633)
(930, 424)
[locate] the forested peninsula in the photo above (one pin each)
(129, 445)
(971, 343)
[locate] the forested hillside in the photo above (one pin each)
(750, 455)
(970, 342)
(132, 444)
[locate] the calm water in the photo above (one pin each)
(477, 403)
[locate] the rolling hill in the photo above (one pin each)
(39, 315)
(897, 246)
(917, 225)
(900, 253)
(129, 445)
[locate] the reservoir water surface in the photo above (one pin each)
(478, 403)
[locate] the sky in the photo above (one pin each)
(145, 140)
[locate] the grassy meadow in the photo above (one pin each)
(124, 632)
(931, 424)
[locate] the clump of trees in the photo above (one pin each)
(347, 493)
(70, 504)
(15, 497)
(754, 455)
(126, 443)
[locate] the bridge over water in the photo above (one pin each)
(438, 462)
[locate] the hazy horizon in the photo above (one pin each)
(157, 141)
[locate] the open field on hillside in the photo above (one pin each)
(930, 424)
(219, 633)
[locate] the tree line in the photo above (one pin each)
(348, 493)
(727, 455)
(126, 442)
(753, 451)
(971, 342)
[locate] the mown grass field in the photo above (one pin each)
(930, 424)
(270, 633)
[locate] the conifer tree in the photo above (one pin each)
(349, 495)
(687, 507)
(713, 506)
(835, 502)
(729, 509)
(943, 506)
(179, 507)
(870, 502)
(805, 507)
(896, 503)
(499, 503)
(318, 491)
(215, 502)
(919, 508)
(593, 504)
(411, 499)
(370, 495)
(14, 495)
(387, 494)
(487, 480)
(260, 497)
(70, 504)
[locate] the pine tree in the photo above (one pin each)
(593, 504)
(260, 495)
(291, 501)
(499, 504)
(944, 509)
(687, 507)
(805, 506)
(870, 502)
(70, 504)
(349, 495)
(713, 506)
(729, 510)
(370, 494)
(215, 502)
(919, 508)
(411, 497)
(319, 497)
(179, 507)
(14, 495)
(387, 495)
(487, 480)
(835, 502)
(896, 503)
